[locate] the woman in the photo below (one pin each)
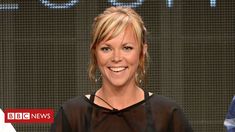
(119, 51)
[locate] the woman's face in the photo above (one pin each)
(118, 59)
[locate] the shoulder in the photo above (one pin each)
(75, 106)
(159, 103)
(162, 100)
(75, 109)
(169, 113)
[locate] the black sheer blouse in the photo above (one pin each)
(154, 114)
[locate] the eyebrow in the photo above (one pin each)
(127, 43)
(124, 44)
(107, 44)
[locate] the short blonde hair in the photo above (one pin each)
(116, 20)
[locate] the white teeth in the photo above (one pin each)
(117, 69)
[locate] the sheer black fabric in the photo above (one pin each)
(153, 114)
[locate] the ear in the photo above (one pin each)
(145, 48)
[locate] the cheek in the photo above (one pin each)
(101, 59)
(133, 59)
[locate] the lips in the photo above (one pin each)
(117, 69)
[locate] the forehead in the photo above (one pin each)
(126, 36)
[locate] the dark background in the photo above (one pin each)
(44, 55)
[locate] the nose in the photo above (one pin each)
(117, 57)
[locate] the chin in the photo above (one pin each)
(120, 83)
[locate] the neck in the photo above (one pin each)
(120, 97)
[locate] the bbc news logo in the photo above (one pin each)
(29, 115)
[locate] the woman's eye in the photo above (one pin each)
(127, 48)
(105, 49)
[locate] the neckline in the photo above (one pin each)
(147, 96)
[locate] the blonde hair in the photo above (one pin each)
(116, 20)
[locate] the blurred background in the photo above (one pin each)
(44, 54)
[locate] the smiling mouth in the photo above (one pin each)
(117, 69)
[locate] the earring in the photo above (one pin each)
(139, 80)
(97, 79)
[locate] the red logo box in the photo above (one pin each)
(29, 115)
